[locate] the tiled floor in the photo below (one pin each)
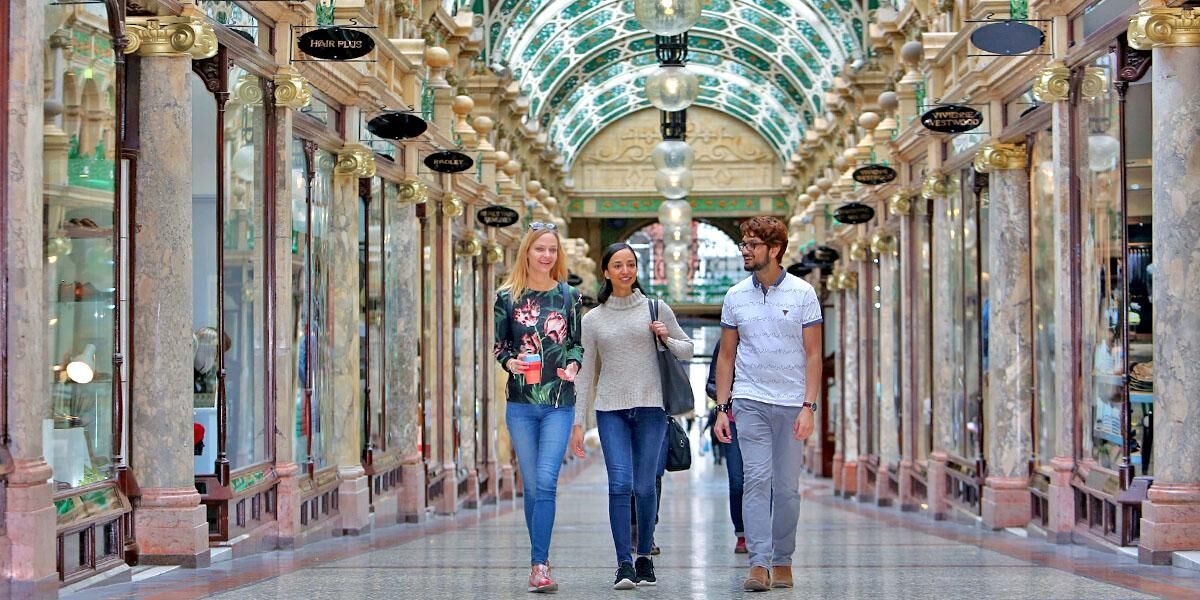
(847, 550)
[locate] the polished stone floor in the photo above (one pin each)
(846, 550)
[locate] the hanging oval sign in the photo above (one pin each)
(823, 254)
(397, 126)
(449, 161)
(874, 174)
(854, 213)
(952, 118)
(800, 269)
(574, 280)
(1008, 38)
(497, 216)
(336, 43)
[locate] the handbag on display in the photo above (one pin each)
(679, 448)
(676, 387)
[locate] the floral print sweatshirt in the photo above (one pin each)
(545, 323)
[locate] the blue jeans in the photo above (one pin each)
(737, 480)
(632, 440)
(539, 437)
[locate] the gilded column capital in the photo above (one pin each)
(934, 187)
(848, 281)
(1164, 28)
(882, 243)
(858, 251)
(291, 88)
(413, 192)
(1053, 83)
(247, 91)
(1095, 82)
(355, 160)
(469, 247)
(452, 206)
(495, 253)
(900, 205)
(1000, 157)
(171, 36)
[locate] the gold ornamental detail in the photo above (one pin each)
(1000, 157)
(291, 89)
(453, 206)
(469, 247)
(248, 91)
(1095, 83)
(1053, 83)
(934, 187)
(858, 251)
(848, 281)
(495, 253)
(882, 243)
(1164, 28)
(413, 192)
(356, 161)
(171, 36)
(900, 205)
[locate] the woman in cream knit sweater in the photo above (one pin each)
(619, 378)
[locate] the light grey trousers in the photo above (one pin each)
(771, 459)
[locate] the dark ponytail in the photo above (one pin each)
(607, 290)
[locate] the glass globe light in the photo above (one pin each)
(675, 212)
(667, 17)
(672, 88)
(672, 155)
(673, 185)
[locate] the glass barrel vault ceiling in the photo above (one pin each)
(583, 62)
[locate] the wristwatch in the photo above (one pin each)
(809, 405)
(724, 407)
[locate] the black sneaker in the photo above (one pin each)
(645, 571)
(625, 577)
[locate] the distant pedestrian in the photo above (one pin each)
(771, 336)
(733, 460)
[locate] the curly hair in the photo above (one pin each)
(770, 230)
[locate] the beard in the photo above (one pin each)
(754, 267)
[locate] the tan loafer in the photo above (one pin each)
(758, 581)
(781, 577)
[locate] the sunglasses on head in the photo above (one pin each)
(538, 226)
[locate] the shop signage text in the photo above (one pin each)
(449, 161)
(952, 118)
(874, 174)
(854, 213)
(497, 216)
(336, 43)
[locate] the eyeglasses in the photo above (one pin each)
(752, 246)
(538, 226)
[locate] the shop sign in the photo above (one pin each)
(854, 213)
(574, 280)
(952, 118)
(397, 126)
(336, 43)
(1008, 38)
(823, 255)
(497, 216)
(801, 269)
(874, 174)
(449, 161)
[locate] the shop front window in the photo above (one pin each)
(968, 282)
(875, 406)
(1042, 255)
(1118, 272)
(892, 302)
(464, 352)
(78, 208)
(371, 267)
(923, 332)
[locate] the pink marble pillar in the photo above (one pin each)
(1171, 513)
(412, 489)
(838, 461)
(935, 488)
(908, 500)
(944, 355)
(863, 486)
(289, 534)
(508, 482)
(169, 522)
(850, 393)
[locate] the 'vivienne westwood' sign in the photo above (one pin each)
(854, 213)
(874, 174)
(449, 161)
(497, 216)
(952, 118)
(397, 126)
(336, 43)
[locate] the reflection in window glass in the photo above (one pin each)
(1041, 184)
(370, 268)
(923, 331)
(79, 156)
(206, 344)
(875, 406)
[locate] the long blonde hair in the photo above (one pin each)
(517, 281)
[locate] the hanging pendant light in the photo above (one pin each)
(667, 17)
(672, 155)
(674, 185)
(672, 88)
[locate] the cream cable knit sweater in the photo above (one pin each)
(620, 368)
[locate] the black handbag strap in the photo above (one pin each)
(658, 345)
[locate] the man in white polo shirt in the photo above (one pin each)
(771, 326)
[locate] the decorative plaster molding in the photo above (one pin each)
(413, 192)
(1095, 82)
(1001, 157)
(1165, 28)
(935, 187)
(171, 36)
(1053, 83)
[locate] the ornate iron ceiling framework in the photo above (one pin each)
(583, 63)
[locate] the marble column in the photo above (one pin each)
(1171, 513)
(1008, 405)
(850, 386)
(404, 323)
(354, 493)
(864, 488)
(839, 416)
(29, 516)
(170, 523)
(889, 443)
(447, 502)
(936, 189)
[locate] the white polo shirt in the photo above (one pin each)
(770, 322)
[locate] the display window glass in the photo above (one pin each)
(891, 300)
(923, 329)
(430, 432)
(875, 404)
(79, 154)
(968, 285)
(1042, 270)
(1118, 272)
(463, 312)
(371, 208)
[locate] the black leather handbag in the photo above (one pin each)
(679, 448)
(676, 387)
